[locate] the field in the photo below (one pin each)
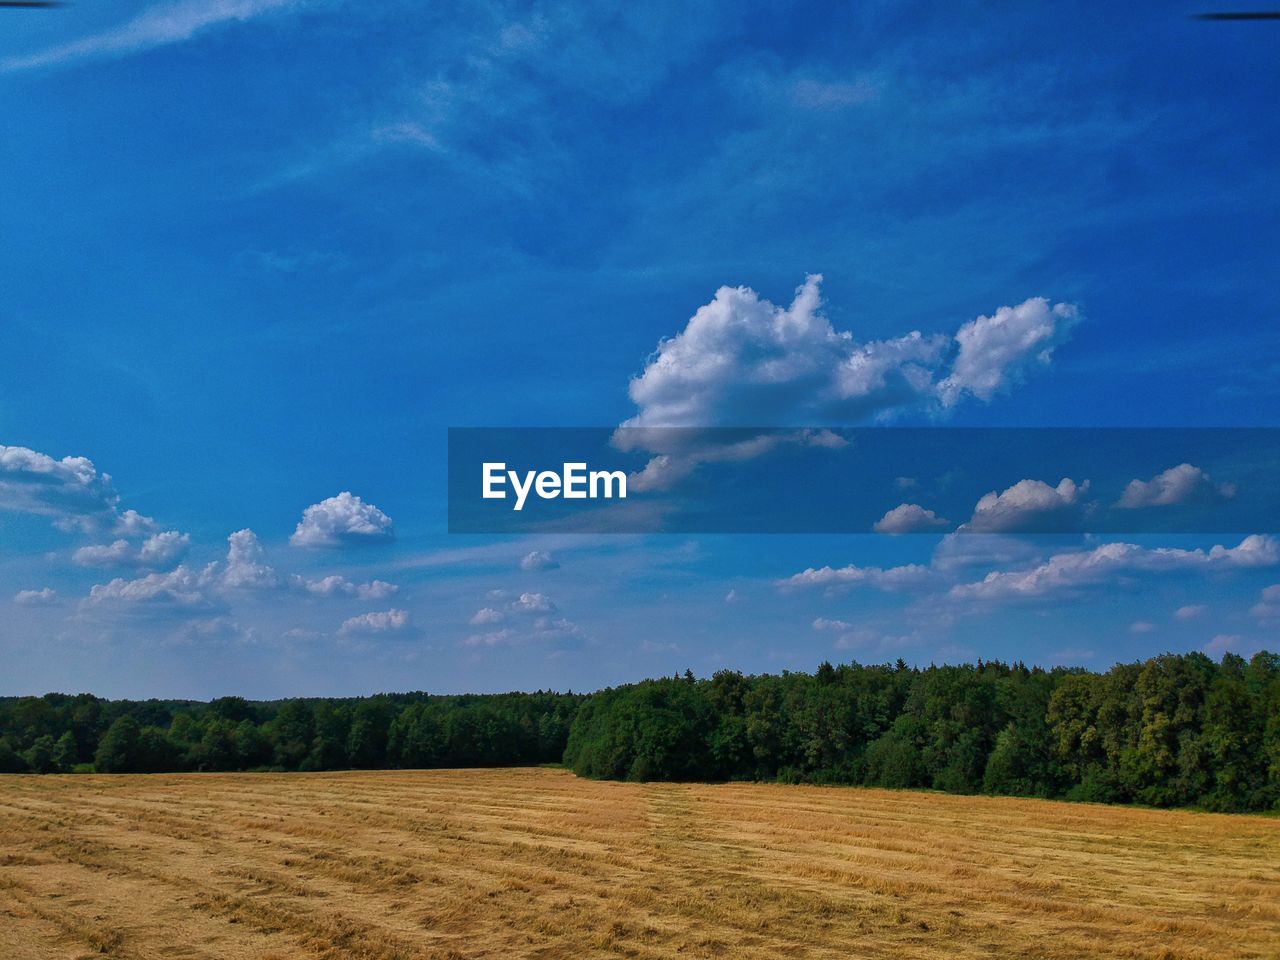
(537, 863)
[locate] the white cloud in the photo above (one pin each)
(1066, 571)
(181, 587)
(532, 603)
(36, 598)
(1028, 503)
(731, 597)
(1190, 611)
(1268, 605)
(557, 628)
(893, 578)
(1224, 643)
(154, 27)
(742, 360)
(157, 551)
(909, 518)
(1175, 485)
(544, 630)
(246, 568)
(822, 623)
(70, 490)
(384, 621)
(538, 560)
(341, 520)
(131, 523)
(958, 552)
(997, 351)
(337, 586)
(487, 615)
(209, 629)
(492, 639)
(1142, 626)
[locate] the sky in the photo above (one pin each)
(260, 256)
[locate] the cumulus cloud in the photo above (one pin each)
(538, 560)
(1026, 504)
(1190, 611)
(181, 587)
(338, 586)
(554, 628)
(487, 615)
(493, 638)
(1224, 643)
(131, 523)
(956, 553)
(384, 621)
(1176, 485)
(344, 519)
(79, 498)
(731, 597)
(1064, 572)
(525, 619)
(246, 567)
(893, 578)
(1268, 605)
(36, 598)
(158, 551)
(742, 360)
(998, 350)
(71, 491)
(542, 630)
(532, 603)
(1142, 626)
(909, 518)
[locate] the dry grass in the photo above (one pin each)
(539, 864)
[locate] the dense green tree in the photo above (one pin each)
(1174, 730)
(66, 752)
(10, 760)
(120, 750)
(39, 756)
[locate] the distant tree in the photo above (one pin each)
(217, 747)
(120, 748)
(232, 709)
(66, 752)
(10, 760)
(40, 755)
(252, 745)
(294, 733)
(157, 753)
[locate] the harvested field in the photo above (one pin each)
(537, 863)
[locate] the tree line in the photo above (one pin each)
(1175, 730)
(58, 733)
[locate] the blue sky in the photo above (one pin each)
(261, 253)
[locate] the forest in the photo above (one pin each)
(1175, 730)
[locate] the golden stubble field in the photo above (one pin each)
(539, 864)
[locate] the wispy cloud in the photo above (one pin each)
(156, 26)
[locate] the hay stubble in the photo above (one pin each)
(540, 864)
